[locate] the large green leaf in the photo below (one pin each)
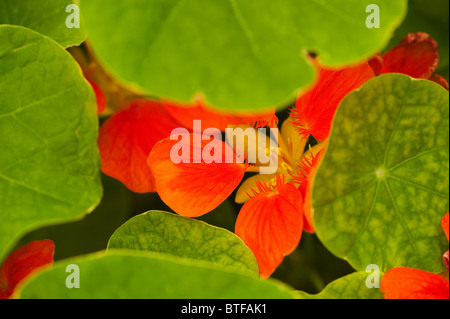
(49, 167)
(352, 286)
(44, 16)
(134, 276)
(382, 188)
(239, 54)
(164, 232)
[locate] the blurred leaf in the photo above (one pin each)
(134, 276)
(164, 232)
(382, 187)
(44, 16)
(241, 55)
(352, 286)
(48, 131)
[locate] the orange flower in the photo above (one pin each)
(410, 283)
(22, 262)
(271, 221)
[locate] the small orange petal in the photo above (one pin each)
(99, 96)
(314, 110)
(126, 139)
(271, 224)
(23, 261)
(193, 189)
(416, 55)
(409, 283)
(444, 224)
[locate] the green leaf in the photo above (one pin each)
(352, 286)
(382, 188)
(49, 168)
(164, 232)
(240, 55)
(135, 276)
(44, 16)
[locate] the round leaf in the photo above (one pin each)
(135, 276)
(163, 232)
(240, 55)
(49, 168)
(382, 188)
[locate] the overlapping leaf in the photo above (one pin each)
(44, 16)
(237, 54)
(124, 275)
(49, 164)
(163, 232)
(382, 187)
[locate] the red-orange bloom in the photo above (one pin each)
(271, 221)
(416, 55)
(314, 110)
(22, 262)
(410, 283)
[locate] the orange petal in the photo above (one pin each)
(416, 55)
(271, 225)
(126, 139)
(444, 224)
(23, 261)
(185, 114)
(314, 110)
(409, 283)
(305, 190)
(193, 189)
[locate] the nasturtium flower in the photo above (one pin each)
(271, 221)
(273, 215)
(410, 283)
(22, 262)
(416, 55)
